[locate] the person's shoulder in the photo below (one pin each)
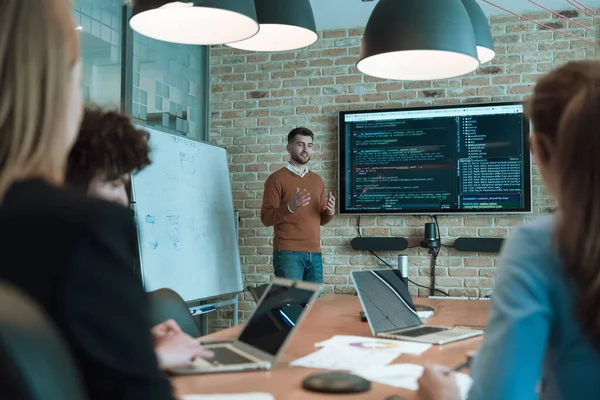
(532, 243)
(313, 175)
(278, 175)
(281, 171)
(539, 231)
(48, 204)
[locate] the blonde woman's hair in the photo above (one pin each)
(38, 48)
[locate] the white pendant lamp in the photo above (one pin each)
(481, 28)
(284, 25)
(418, 40)
(197, 22)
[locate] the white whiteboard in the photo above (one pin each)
(185, 219)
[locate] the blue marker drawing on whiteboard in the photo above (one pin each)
(151, 239)
(173, 228)
(187, 163)
(199, 227)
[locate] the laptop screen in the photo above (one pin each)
(275, 317)
(385, 299)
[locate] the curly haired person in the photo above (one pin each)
(108, 150)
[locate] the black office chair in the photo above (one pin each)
(257, 291)
(35, 361)
(167, 304)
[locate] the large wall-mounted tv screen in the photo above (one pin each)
(436, 160)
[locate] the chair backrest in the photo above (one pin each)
(166, 304)
(35, 361)
(257, 291)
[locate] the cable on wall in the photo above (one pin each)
(431, 289)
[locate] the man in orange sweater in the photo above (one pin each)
(294, 203)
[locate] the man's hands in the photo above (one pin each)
(438, 383)
(299, 199)
(174, 348)
(302, 198)
(330, 204)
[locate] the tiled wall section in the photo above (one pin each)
(100, 24)
(103, 21)
(166, 85)
(166, 76)
(258, 97)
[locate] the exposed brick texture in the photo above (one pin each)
(257, 98)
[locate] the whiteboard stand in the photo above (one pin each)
(203, 310)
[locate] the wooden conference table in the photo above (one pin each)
(337, 315)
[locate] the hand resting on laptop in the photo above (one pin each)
(174, 348)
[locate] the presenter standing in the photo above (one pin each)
(295, 204)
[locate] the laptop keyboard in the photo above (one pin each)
(423, 330)
(225, 356)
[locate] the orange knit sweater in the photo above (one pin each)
(301, 230)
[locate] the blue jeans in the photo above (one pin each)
(298, 265)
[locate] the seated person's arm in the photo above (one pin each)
(509, 363)
(174, 348)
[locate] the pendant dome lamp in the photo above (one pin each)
(284, 25)
(418, 40)
(197, 22)
(483, 35)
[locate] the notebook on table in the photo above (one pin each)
(280, 310)
(391, 313)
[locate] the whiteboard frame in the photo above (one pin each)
(133, 207)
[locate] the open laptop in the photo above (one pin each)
(280, 310)
(391, 313)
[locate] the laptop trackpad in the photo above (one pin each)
(226, 356)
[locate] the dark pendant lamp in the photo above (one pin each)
(418, 40)
(284, 25)
(199, 22)
(483, 35)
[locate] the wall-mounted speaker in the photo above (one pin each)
(379, 243)
(483, 245)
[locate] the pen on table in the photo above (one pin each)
(214, 342)
(461, 366)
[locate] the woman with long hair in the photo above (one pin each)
(73, 254)
(544, 328)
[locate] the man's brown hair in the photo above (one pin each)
(300, 131)
(108, 146)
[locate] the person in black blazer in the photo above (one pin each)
(71, 253)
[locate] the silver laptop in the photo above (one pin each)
(391, 313)
(279, 312)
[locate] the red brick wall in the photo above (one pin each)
(257, 98)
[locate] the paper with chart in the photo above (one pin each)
(236, 396)
(185, 217)
(349, 353)
(375, 343)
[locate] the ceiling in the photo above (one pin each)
(337, 14)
